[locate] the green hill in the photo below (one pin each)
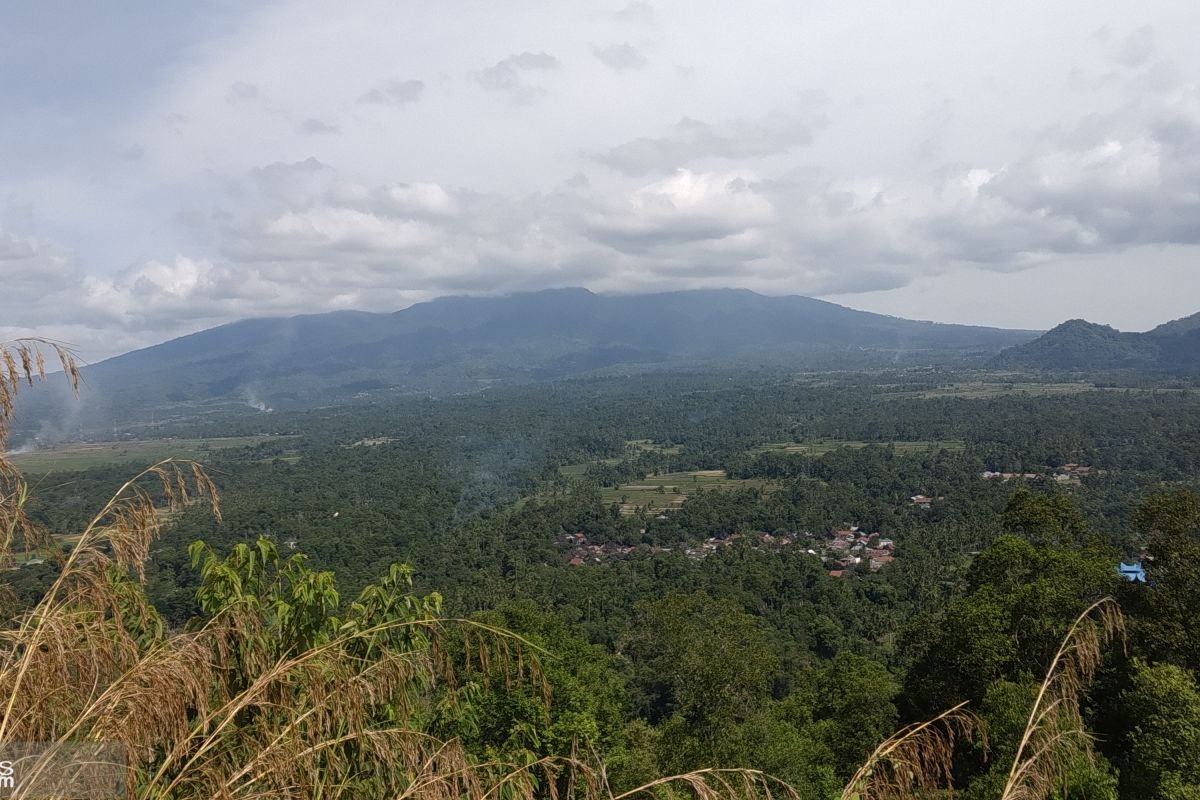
(1084, 346)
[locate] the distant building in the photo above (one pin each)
(880, 562)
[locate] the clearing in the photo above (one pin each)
(85, 455)
(819, 447)
(667, 491)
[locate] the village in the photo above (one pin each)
(1067, 473)
(843, 552)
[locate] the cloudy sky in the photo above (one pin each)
(166, 167)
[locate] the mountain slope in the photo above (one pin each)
(462, 343)
(1079, 345)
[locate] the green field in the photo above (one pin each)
(646, 493)
(819, 447)
(71, 457)
(972, 390)
(632, 448)
(636, 445)
(579, 470)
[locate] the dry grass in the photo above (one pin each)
(917, 761)
(1055, 732)
(21, 362)
(914, 760)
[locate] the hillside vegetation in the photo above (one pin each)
(1084, 346)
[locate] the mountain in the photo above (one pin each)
(464, 343)
(1179, 326)
(1173, 347)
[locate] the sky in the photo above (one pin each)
(168, 167)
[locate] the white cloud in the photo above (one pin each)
(242, 92)
(621, 57)
(394, 93)
(508, 75)
(692, 140)
(312, 125)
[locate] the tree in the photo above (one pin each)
(1163, 746)
(1045, 519)
(1018, 594)
(1168, 617)
(698, 658)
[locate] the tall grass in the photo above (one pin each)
(1054, 733)
(917, 761)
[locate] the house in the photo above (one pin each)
(880, 562)
(1134, 573)
(921, 501)
(837, 573)
(1075, 471)
(575, 562)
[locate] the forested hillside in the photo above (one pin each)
(1079, 345)
(456, 344)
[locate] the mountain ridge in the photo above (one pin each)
(464, 343)
(1079, 345)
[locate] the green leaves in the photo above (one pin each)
(1163, 747)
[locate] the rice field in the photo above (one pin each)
(666, 492)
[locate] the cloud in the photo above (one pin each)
(621, 57)
(692, 140)
(41, 282)
(684, 208)
(291, 185)
(28, 261)
(314, 126)
(1111, 183)
(508, 76)
(637, 13)
(181, 294)
(394, 93)
(242, 92)
(1137, 49)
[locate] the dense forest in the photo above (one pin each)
(663, 574)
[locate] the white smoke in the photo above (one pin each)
(254, 401)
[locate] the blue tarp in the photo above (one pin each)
(1134, 572)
